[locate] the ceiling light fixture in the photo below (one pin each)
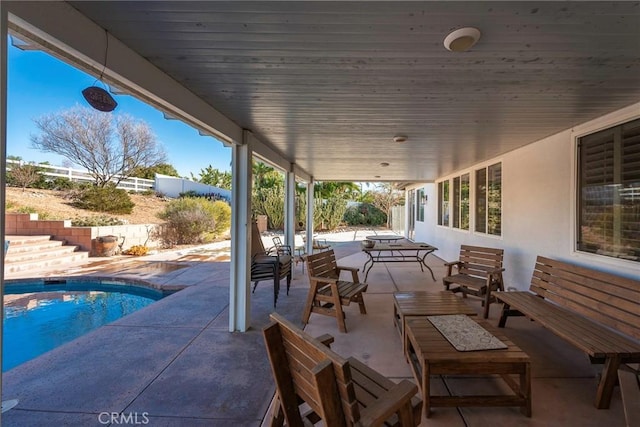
(384, 164)
(400, 138)
(462, 39)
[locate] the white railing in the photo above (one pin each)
(78, 175)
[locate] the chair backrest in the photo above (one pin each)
(477, 260)
(297, 361)
(323, 264)
(257, 247)
(277, 242)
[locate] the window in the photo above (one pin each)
(489, 200)
(421, 202)
(461, 202)
(609, 192)
(443, 203)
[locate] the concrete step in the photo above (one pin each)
(44, 263)
(32, 245)
(39, 253)
(32, 253)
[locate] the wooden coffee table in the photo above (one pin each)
(429, 353)
(420, 303)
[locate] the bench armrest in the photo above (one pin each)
(452, 263)
(326, 339)
(353, 270)
(388, 404)
(324, 279)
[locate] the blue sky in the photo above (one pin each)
(41, 84)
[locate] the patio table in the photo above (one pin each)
(385, 238)
(430, 353)
(421, 303)
(398, 252)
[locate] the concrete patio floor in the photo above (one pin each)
(174, 363)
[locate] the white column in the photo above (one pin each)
(239, 295)
(290, 208)
(3, 156)
(309, 230)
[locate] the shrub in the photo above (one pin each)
(188, 221)
(30, 210)
(136, 250)
(365, 214)
(96, 221)
(104, 199)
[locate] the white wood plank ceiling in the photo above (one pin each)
(329, 84)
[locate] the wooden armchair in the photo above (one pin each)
(338, 391)
(269, 265)
(327, 293)
(479, 271)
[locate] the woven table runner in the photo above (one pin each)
(465, 334)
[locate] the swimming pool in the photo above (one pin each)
(40, 315)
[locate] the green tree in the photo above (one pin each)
(333, 189)
(214, 177)
(149, 172)
(109, 146)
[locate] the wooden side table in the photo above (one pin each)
(420, 303)
(429, 353)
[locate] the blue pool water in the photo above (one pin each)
(41, 316)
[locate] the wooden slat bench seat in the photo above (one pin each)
(597, 312)
(479, 272)
(337, 391)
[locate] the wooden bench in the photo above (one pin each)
(479, 272)
(630, 391)
(338, 391)
(597, 312)
(327, 293)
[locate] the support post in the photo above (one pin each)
(310, 210)
(3, 159)
(239, 295)
(290, 208)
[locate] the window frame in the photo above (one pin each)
(612, 177)
(482, 211)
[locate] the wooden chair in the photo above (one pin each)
(479, 272)
(269, 265)
(327, 293)
(338, 391)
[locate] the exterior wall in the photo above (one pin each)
(538, 208)
(29, 225)
(172, 186)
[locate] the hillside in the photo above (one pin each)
(54, 205)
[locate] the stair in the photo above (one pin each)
(33, 253)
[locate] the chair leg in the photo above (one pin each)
(254, 286)
(338, 309)
(360, 300)
(309, 304)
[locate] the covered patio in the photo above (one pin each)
(349, 91)
(176, 364)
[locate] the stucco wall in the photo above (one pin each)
(538, 207)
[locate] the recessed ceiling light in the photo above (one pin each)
(462, 39)
(400, 138)
(384, 164)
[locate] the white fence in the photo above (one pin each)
(169, 186)
(78, 175)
